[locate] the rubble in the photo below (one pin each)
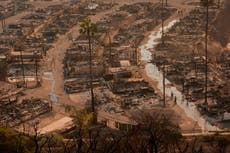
(116, 71)
(225, 63)
(185, 65)
(10, 9)
(14, 111)
(15, 114)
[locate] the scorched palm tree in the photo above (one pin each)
(89, 29)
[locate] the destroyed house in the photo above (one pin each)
(16, 56)
(130, 86)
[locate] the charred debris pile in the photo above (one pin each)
(15, 109)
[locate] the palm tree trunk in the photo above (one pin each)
(90, 71)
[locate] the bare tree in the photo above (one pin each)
(38, 140)
(157, 132)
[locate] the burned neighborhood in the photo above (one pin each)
(140, 76)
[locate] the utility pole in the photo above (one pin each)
(162, 22)
(135, 54)
(22, 66)
(164, 99)
(2, 24)
(206, 53)
(36, 66)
